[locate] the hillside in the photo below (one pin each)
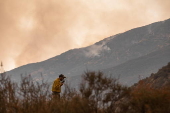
(137, 69)
(139, 51)
(158, 80)
(150, 94)
(96, 94)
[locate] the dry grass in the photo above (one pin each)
(97, 94)
(146, 99)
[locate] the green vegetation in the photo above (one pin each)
(96, 94)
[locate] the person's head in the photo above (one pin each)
(61, 76)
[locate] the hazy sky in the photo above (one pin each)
(35, 30)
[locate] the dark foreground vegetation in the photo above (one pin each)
(97, 94)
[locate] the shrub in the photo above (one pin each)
(97, 93)
(145, 99)
(101, 92)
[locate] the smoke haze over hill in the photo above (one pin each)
(32, 31)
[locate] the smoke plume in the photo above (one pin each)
(35, 30)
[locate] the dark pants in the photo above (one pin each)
(56, 95)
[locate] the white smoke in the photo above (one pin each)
(96, 50)
(149, 28)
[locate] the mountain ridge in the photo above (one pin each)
(105, 54)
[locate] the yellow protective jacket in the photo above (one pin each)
(56, 85)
